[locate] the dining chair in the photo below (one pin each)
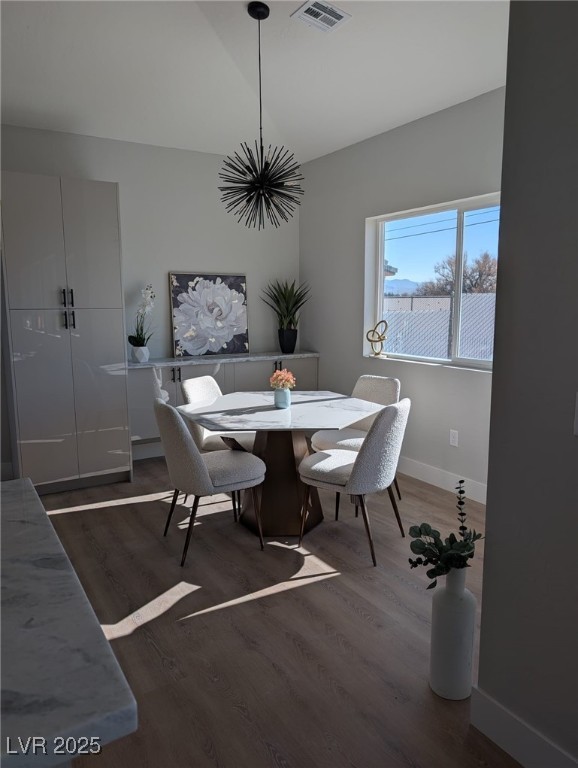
(204, 474)
(383, 390)
(360, 473)
(203, 390)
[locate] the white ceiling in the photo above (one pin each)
(184, 74)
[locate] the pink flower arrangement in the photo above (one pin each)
(282, 379)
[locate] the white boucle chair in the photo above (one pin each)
(192, 472)
(204, 390)
(377, 389)
(359, 473)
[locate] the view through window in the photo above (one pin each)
(425, 257)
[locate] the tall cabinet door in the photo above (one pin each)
(99, 371)
(92, 237)
(44, 395)
(33, 240)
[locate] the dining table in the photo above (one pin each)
(281, 441)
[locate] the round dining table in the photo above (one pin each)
(281, 441)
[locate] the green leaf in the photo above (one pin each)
(417, 546)
(425, 529)
(433, 584)
(415, 532)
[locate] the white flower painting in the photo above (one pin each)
(209, 314)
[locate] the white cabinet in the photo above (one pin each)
(62, 250)
(34, 258)
(254, 375)
(44, 392)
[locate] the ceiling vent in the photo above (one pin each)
(321, 15)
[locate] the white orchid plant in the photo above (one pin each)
(142, 331)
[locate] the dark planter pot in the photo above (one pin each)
(287, 340)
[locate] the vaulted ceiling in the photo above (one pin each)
(184, 74)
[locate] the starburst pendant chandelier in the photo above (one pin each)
(258, 184)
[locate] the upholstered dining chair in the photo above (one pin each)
(204, 390)
(192, 472)
(360, 473)
(383, 390)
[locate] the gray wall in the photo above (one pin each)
(446, 156)
(529, 630)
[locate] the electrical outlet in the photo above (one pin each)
(454, 437)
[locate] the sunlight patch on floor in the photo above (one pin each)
(313, 569)
(164, 496)
(149, 612)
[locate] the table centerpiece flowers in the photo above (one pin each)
(282, 382)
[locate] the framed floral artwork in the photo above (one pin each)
(208, 314)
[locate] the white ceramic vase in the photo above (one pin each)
(282, 398)
(139, 354)
(452, 637)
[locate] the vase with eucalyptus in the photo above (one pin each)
(453, 606)
(142, 332)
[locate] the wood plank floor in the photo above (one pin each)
(285, 658)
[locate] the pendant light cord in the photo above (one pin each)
(260, 99)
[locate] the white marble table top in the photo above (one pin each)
(256, 411)
(60, 677)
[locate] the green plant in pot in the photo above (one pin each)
(286, 300)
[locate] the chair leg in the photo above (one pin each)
(257, 514)
(171, 510)
(357, 510)
(234, 500)
(396, 510)
(367, 528)
(397, 487)
(337, 497)
(190, 528)
(304, 513)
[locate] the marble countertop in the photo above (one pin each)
(167, 362)
(60, 677)
(241, 411)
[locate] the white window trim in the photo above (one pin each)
(374, 262)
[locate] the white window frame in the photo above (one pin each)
(374, 278)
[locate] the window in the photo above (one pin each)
(423, 256)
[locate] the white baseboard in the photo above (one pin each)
(516, 737)
(441, 479)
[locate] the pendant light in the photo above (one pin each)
(261, 185)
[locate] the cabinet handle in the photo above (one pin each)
(173, 374)
(63, 297)
(179, 370)
(73, 319)
(65, 320)
(71, 297)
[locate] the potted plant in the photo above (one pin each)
(286, 299)
(454, 607)
(142, 333)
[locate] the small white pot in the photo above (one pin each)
(140, 354)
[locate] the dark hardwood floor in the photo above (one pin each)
(285, 658)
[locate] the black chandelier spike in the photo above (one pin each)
(258, 184)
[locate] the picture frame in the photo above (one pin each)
(208, 314)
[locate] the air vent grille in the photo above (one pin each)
(321, 15)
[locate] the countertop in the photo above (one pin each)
(60, 677)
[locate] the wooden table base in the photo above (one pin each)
(281, 495)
